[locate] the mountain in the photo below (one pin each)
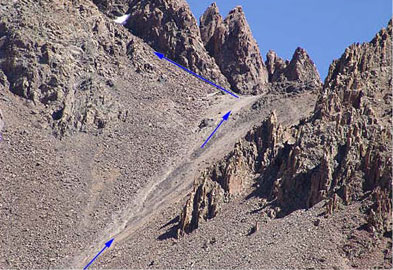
(101, 139)
(339, 155)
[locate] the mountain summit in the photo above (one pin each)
(235, 50)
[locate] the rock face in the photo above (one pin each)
(275, 66)
(45, 69)
(210, 22)
(170, 28)
(341, 154)
(112, 8)
(301, 68)
(230, 176)
(235, 50)
(204, 203)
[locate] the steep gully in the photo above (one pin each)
(167, 188)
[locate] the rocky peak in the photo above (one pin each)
(235, 50)
(209, 22)
(275, 65)
(301, 68)
(359, 79)
(364, 58)
(170, 28)
(236, 20)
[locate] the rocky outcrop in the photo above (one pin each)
(341, 154)
(230, 176)
(235, 50)
(204, 203)
(275, 66)
(170, 28)
(112, 8)
(66, 74)
(379, 216)
(301, 68)
(344, 148)
(210, 22)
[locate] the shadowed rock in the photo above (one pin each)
(341, 154)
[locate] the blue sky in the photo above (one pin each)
(323, 28)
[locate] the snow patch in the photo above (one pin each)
(122, 19)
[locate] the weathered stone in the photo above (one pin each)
(339, 154)
(113, 8)
(170, 28)
(379, 219)
(235, 50)
(301, 68)
(48, 70)
(204, 203)
(228, 178)
(275, 66)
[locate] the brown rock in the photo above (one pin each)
(64, 71)
(335, 162)
(301, 68)
(203, 203)
(331, 205)
(210, 21)
(379, 219)
(170, 28)
(340, 153)
(275, 66)
(228, 178)
(235, 50)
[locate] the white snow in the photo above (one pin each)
(122, 19)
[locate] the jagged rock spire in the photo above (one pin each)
(275, 65)
(209, 22)
(235, 50)
(301, 68)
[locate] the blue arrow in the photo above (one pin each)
(107, 245)
(161, 56)
(224, 118)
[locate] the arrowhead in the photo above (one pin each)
(226, 116)
(160, 55)
(109, 243)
